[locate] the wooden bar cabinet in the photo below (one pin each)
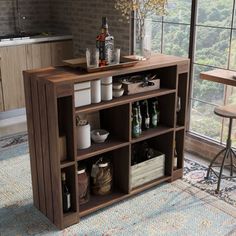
(50, 110)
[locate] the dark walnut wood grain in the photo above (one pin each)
(49, 94)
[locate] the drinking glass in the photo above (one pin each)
(92, 57)
(113, 56)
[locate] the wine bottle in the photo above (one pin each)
(137, 105)
(175, 156)
(104, 42)
(145, 115)
(135, 124)
(66, 197)
(155, 113)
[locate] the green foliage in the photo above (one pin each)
(212, 49)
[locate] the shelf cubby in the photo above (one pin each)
(179, 139)
(65, 108)
(164, 144)
(182, 94)
(166, 104)
(70, 172)
(120, 160)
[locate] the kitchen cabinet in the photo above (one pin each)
(15, 59)
(38, 55)
(13, 62)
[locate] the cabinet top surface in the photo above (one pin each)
(66, 75)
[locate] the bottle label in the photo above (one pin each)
(147, 121)
(109, 45)
(154, 120)
(68, 201)
(136, 130)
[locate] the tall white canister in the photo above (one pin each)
(83, 134)
(96, 91)
(107, 88)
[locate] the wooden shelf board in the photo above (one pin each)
(65, 164)
(124, 100)
(177, 173)
(69, 218)
(179, 127)
(152, 132)
(98, 202)
(110, 144)
(150, 184)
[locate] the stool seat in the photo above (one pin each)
(228, 111)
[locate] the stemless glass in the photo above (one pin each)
(113, 56)
(92, 57)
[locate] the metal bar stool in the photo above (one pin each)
(228, 111)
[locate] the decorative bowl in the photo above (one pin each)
(99, 135)
(117, 85)
(118, 92)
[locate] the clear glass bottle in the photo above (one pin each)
(104, 42)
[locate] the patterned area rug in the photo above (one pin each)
(184, 207)
(12, 146)
(170, 209)
(194, 174)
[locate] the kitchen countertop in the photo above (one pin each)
(35, 39)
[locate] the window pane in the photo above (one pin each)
(178, 11)
(233, 51)
(212, 46)
(215, 13)
(203, 120)
(231, 95)
(156, 36)
(204, 90)
(234, 23)
(176, 39)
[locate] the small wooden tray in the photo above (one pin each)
(81, 63)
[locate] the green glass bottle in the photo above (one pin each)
(155, 114)
(135, 124)
(137, 105)
(145, 115)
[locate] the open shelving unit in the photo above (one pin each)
(51, 113)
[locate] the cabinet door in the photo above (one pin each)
(13, 62)
(61, 51)
(38, 55)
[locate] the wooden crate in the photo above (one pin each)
(148, 170)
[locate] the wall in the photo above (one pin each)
(83, 19)
(37, 13)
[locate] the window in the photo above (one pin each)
(215, 47)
